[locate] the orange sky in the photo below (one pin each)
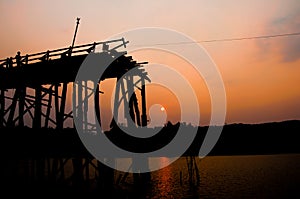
(261, 77)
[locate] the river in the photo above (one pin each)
(253, 176)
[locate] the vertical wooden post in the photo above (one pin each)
(116, 105)
(79, 104)
(2, 107)
(37, 120)
(10, 120)
(97, 103)
(56, 104)
(74, 102)
(22, 105)
(85, 105)
(60, 122)
(130, 91)
(144, 111)
(125, 101)
(48, 106)
(136, 109)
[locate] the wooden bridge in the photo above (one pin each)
(33, 110)
(47, 74)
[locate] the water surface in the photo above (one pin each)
(253, 176)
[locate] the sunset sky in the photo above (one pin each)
(261, 76)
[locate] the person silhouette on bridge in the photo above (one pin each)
(9, 62)
(18, 59)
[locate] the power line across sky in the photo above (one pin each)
(228, 39)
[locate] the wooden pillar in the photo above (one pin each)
(60, 122)
(116, 104)
(47, 117)
(85, 106)
(60, 107)
(125, 101)
(136, 109)
(74, 101)
(79, 104)
(2, 107)
(144, 111)
(97, 103)
(130, 90)
(37, 120)
(56, 103)
(22, 105)
(12, 109)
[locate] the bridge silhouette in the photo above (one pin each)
(48, 73)
(33, 99)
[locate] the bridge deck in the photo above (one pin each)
(57, 71)
(60, 65)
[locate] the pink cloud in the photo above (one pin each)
(288, 48)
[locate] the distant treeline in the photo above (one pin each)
(266, 138)
(235, 139)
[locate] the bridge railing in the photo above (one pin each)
(60, 53)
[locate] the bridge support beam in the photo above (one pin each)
(48, 111)
(22, 106)
(144, 109)
(37, 120)
(60, 121)
(2, 107)
(97, 103)
(12, 108)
